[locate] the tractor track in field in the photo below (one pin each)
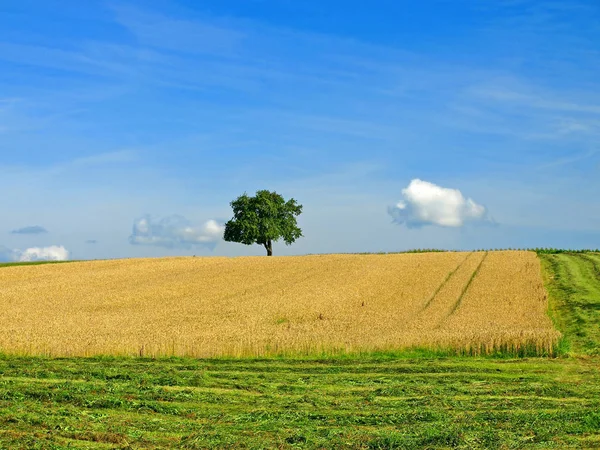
(595, 263)
(439, 288)
(447, 297)
(466, 288)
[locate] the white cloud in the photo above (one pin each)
(425, 203)
(175, 232)
(51, 253)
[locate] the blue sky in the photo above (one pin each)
(118, 114)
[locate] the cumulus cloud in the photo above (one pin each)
(425, 203)
(175, 232)
(51, 253)
(35, 229)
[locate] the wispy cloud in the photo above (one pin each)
(178, 34)
(71, 166)
(570, 159)
(534, 101)
(121, 156)
(8, 255)
(34, 229)
(73, 61)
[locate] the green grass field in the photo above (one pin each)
(573, 282)
(411, 400)
(33, 263)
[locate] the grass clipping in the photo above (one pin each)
(475, 303)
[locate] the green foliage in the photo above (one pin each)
(262, 219)
(557, 251)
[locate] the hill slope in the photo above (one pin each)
(369, 402)
(465, 302)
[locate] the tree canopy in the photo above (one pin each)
(262, 219)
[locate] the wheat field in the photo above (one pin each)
(477, 302)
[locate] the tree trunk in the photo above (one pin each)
(269, 246)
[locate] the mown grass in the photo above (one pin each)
(408, 400)
(366, 402)
(573, 282)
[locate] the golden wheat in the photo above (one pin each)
(478, 302)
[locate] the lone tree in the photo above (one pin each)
(262, 219)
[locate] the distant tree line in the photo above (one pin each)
(432, 250)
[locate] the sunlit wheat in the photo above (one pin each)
(476, 302)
